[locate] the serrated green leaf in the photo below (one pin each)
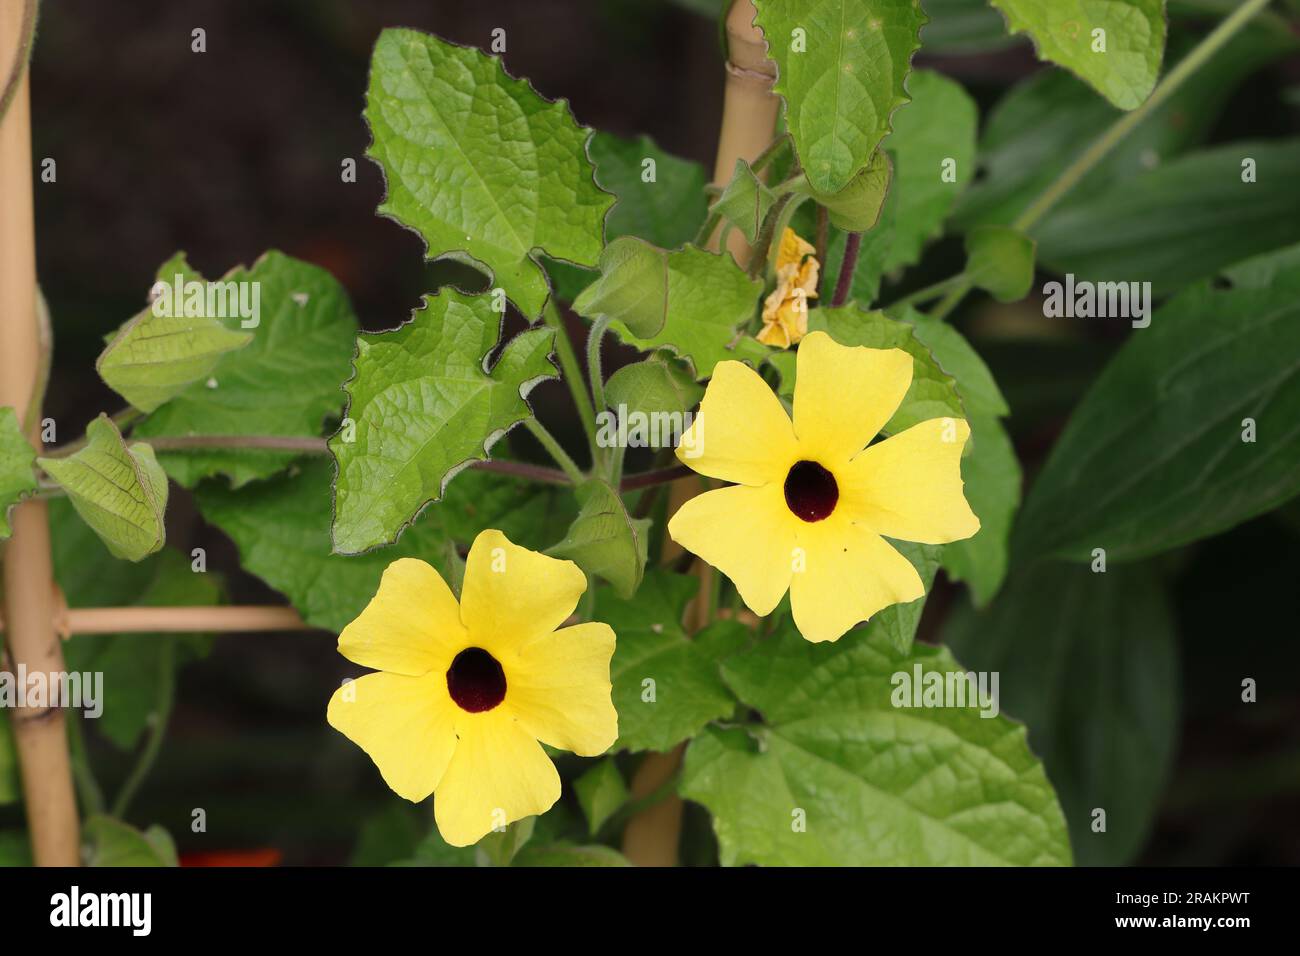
(933, 392)
(567, 854)
(991, 473)
(282, 530)
(285, 382)
(1000, 260)
(120, 491)
(604, 540)
(689, 301)
(1182, 221)
(159, 353)
(658, 385)
(1122, 63)
(1154, 456)
(601, 791)
(841, 66)
(666, 686)
(745, 201)
(17, 475)
(424, 406)
(110, 842)
(480, 165)
(661, 199)
(838, 775)
(1090, 663)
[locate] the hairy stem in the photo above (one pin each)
(555, 450)
(572, 374)
(845, 281)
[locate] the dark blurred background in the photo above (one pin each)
(230, 152)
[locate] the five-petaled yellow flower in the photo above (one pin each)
(785, 310)
(465, 692)
(813, 503)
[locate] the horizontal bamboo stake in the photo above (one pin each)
(174, 620)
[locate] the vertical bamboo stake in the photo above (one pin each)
(749, 112)
(28, 572)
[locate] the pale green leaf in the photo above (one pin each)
(17, 476)
(838, 775)
(482, 167)
(856, 207)
(689, 301)
(424, 406)
(1122, 62)
(601, 791)
(1154, 456)
(170, 344)
(284, 383)
(666, 686)
(1000, 260)
(604, 540)
(120, 492)
(745, 201)
(841, 66)
(1090, 663)
(110, 842)
(658, 385)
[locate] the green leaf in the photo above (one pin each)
(838, 775)
(1182, 221)
(424, 406)
(1064, 33)
(933, 392)
(282, 530)
(601, 791)
(992, 476)
(689, 301)
(1000, 261)
(120, 492)
(841, 66)
(976, 386)
(499, 847)
(11, 789)
(167, 346)
(604, 540)
(110, 842)
(1154, 457)
(481, 166)
(745, 202)
(284, 383)
(661, 199)
(963, 26)
(1035, 130)
(856, 207)
(435, 851)
(658, 385)
(566, 854)
(17, 476)
(666, 686)
(1090, 663)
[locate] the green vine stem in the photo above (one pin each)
(158, 721)
(572, 373)
(555, 450)
(1108, 140)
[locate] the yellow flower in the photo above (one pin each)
(785, 310)
(813, 504)
(464, 692)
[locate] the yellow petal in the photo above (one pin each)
(773, 333)
(746, 533)
(512, 594)
(807, 278)
(848, 575)
(776, 298)
(909, 486)
(498, 774)
(411, 626)
(843, 395)
(741, 432)
(559, 688)
(404, 723)
(792, 249)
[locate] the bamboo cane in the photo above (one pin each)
(39, 732)
(749, 114)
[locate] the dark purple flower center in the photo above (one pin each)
(811, 491)
(476, 681)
